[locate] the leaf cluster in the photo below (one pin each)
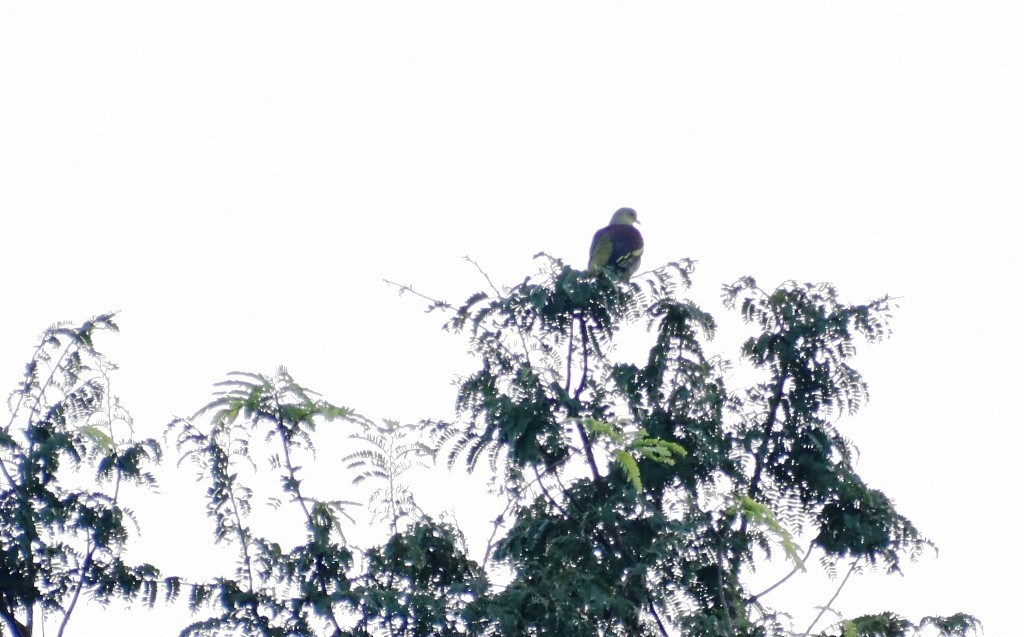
(644, 494)
(890, 624)
(420, 584)
(274, 591)
(390, 450)
(60, 540)
(415, 584)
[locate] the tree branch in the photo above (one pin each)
(584, 438)
(86, 564)
(293, 476)
(654, 613)
(828, 606)
(402, 289)
(796, 569)
(19, 629)
(759, 458)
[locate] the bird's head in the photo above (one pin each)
(624, 216)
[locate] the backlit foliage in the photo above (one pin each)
(62, 464)
(642, 490)
(275, 590)
(644, 493)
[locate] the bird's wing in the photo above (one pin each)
(600, 250)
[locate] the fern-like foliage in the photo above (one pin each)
(390, 450)
(805, 343)
(274, 590)
(418, 583)
(60, 541)
(421, 584)
(889, 624)
(643, 493)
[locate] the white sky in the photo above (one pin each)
(237, 178)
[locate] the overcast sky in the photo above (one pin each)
(238, 178)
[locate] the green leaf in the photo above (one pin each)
(762, 515)
(632, 470)
(97, 435)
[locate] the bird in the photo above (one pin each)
(617, 247)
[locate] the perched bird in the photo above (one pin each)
(617, 247)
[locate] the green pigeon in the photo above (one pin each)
(617, 247)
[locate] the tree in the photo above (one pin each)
(418, 583)
(643, 494)
(640, 493)
(59, 539)
(274, 591)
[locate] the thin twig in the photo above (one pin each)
(484, 274)
(828, 606)
(498, 293)
(435, 304)
(86, 565)
(498, 522)
(554, 503)
(796, 569)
